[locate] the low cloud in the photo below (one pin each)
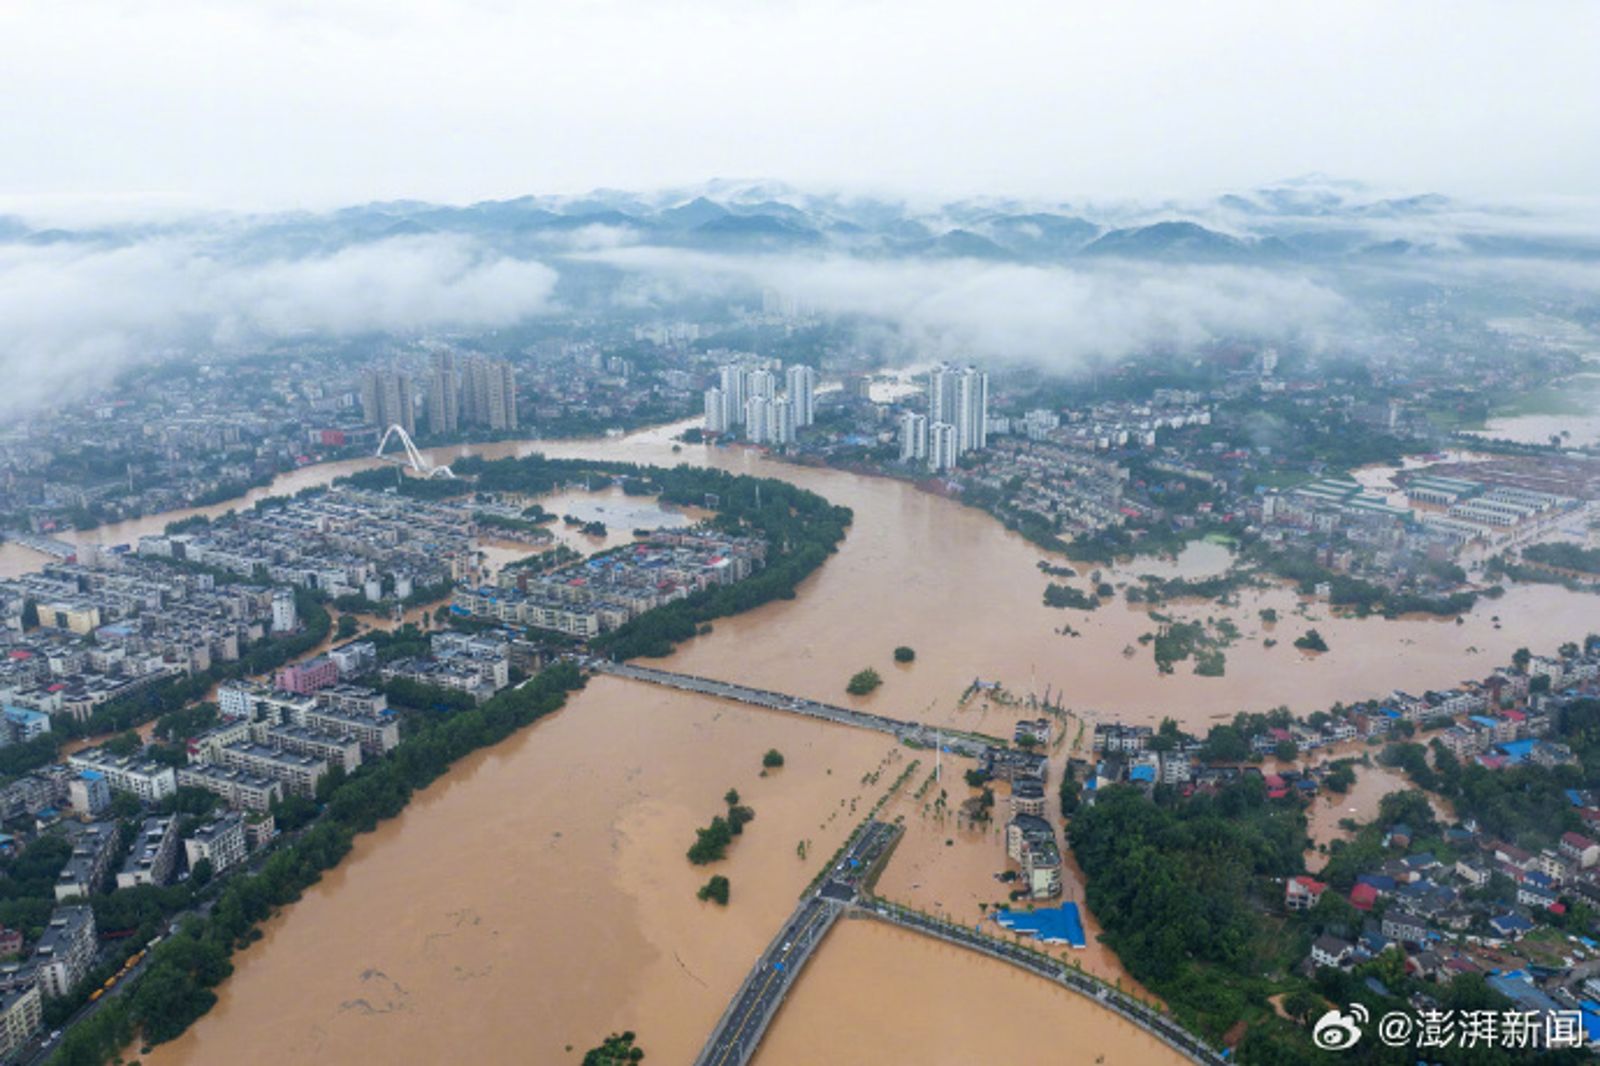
(1050, 316)
(73, 314)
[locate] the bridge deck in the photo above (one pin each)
(917, 732)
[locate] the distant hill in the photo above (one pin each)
(1168, 240)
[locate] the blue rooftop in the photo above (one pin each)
(1516, 987)
(1518, 750)
(1142, 773)
(1053, 925)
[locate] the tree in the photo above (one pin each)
(715, 890)
(711, 843)
(201, 875)
(903, 654)
(617, 1050)
(1286, 751)
(772, 759)
(348, 627)
(863, 682)
(1301, 1005)
(1311, 641)
(1520, 659)
(731, 797)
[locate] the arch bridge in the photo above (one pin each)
(418, 462)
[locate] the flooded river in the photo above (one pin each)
(537, 896)
(876, 995)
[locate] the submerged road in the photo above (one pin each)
(918, 734)
(1152, 1021)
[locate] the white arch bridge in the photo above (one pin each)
(418, 462)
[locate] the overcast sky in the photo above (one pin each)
(254, 103)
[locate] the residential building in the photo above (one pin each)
(299, 773)
(221, 843)
(386, 400)
(307, 677)
(1027, 797)
(942, 450)
(1031, 843)
(240, 789)
(21, 725)
(148, 781)
(88, 794)
(719, 418)
(444, 395)
(285, 616)
(801, 384)
(1302, 893)
(959, 397)
(913, 437)
(85, 869)
(355, 658)
(1329, 950)
(21, 1018)
(66, 951)
(489, 393)
(1405, 928)
(153, 855)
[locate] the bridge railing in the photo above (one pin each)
(1159, 1025)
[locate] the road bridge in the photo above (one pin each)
(1152, 1021)
(916, 733)
(47, 545)
(738, 1032)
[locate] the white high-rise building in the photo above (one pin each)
(444, 395)
(959, 397)
(802, 389)
(942, 450)
(733, 390)
(913, 437)
(972, 411)
(717, 420)
(762, 383)
(783, 421)
(757, 419)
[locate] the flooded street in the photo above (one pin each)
(537, 897)
(1360, 804)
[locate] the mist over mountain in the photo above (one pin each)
(1315, 262)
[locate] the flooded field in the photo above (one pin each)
(875, 995)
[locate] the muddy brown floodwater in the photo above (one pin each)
(875, 995)
(537, 896)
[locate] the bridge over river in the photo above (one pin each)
(915, 733)
(738, 1033)
(845, 890)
